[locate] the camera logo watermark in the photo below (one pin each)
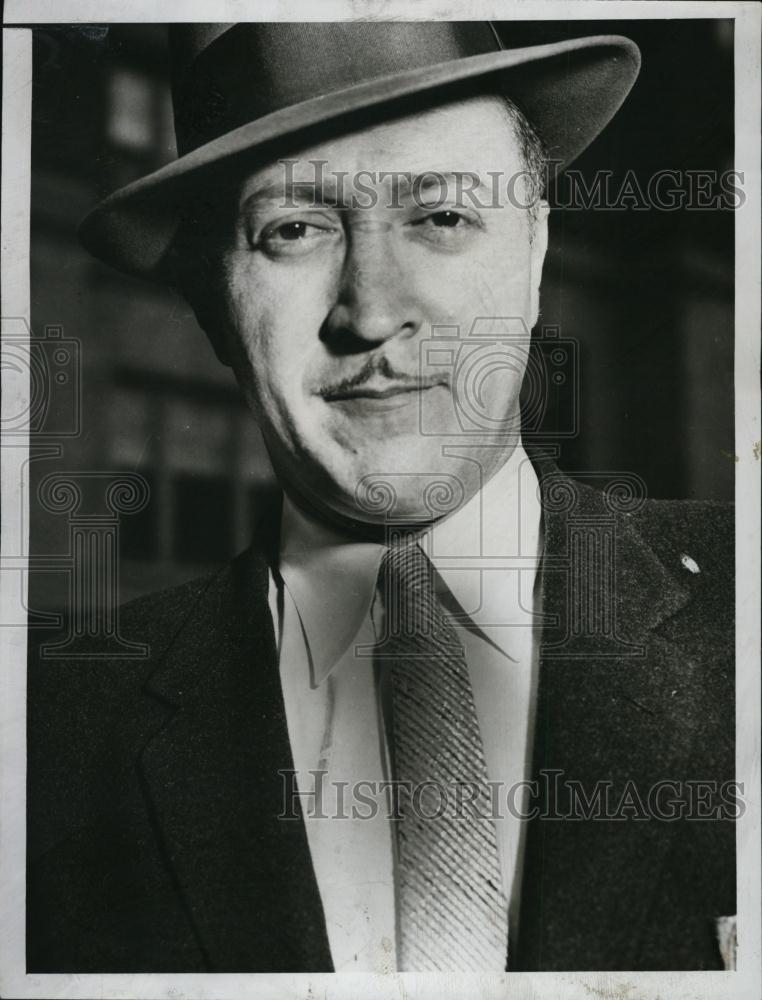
(53, 365)
(498, 358)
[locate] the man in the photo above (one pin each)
(538, 671)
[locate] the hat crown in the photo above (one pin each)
(224, 76)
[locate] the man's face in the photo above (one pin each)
(328, 307)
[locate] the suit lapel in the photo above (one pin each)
(211, 774)
(607, 677)
(212, 779)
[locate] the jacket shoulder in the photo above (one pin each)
(692, 538)
(156, 618)
(151, 620)
(87, 711)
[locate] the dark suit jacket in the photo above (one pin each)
(154, 792)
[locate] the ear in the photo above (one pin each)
(537, 256)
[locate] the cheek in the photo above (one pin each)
(274, 322)
(504, 281)
(495, 282)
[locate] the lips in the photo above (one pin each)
(380, 389)
(387, 390)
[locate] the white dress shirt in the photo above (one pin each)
(486, 556)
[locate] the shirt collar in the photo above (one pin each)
(332, 577)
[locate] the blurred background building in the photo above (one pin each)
(647, 295)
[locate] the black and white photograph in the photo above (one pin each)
(380, 500)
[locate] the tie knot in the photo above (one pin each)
(406, 567)
(406, 582)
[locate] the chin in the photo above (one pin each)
(402, 478)
(402, 482)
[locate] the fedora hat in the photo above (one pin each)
(242, 89)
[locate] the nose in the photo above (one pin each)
(375, 300)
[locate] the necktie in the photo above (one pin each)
(452, 911)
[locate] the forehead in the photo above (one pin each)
(470, 136)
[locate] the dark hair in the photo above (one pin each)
(533, 155)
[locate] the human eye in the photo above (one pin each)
(295, 236)
(445, 226)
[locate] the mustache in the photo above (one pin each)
(374, 368)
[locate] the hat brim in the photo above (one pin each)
(568, 90)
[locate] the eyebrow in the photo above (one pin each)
(327, 191)
(301, 191)
(433, 178)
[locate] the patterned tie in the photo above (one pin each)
(452, 911)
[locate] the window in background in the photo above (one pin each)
(131, 110)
